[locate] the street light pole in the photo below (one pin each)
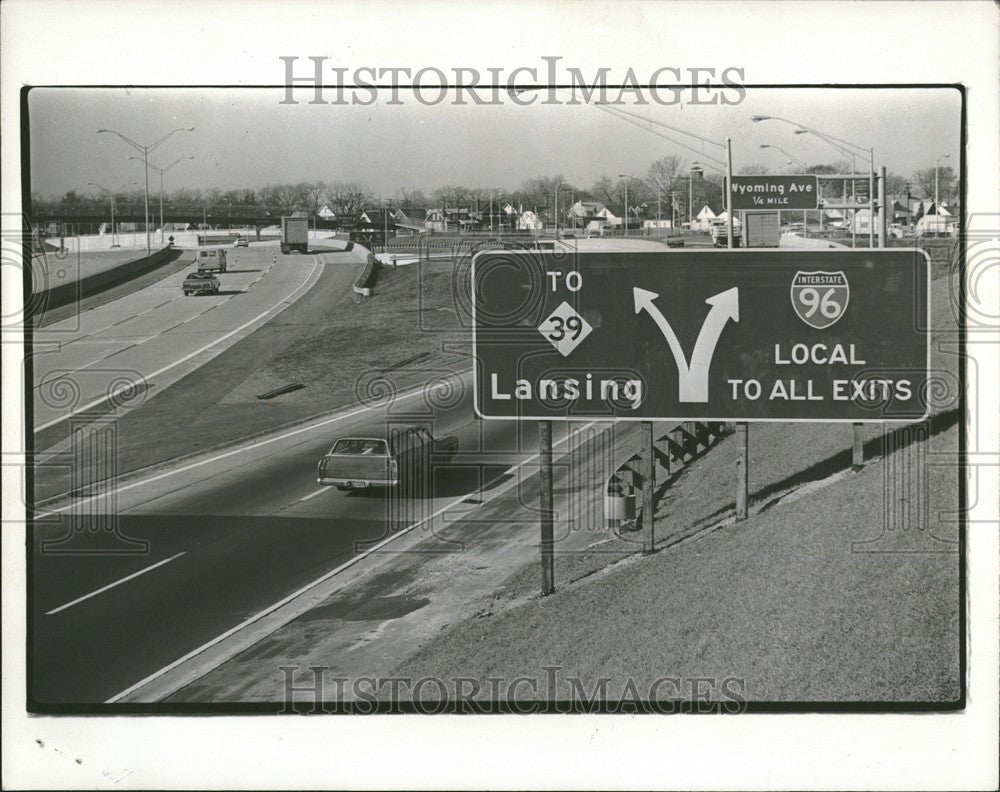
(556, 218)
(943, 156)
(112, 196)
(161, 171)
(144, 149)
(852, 148)
(624, 179)
(797, 161)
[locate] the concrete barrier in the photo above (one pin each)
(67, 293)
(365, 284)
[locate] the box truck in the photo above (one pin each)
(294, 234)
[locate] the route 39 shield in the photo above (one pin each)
(820, 298)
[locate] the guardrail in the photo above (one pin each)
(671, 452)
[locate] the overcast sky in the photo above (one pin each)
(246, 138)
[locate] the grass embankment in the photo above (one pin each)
(839, 586)
(410, 331)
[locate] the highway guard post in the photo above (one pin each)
(831, 335)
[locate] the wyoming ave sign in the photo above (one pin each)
(775, 192)
(745, 335)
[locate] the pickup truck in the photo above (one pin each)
(402, 461)
(720, 233)
(211, 260)
(200, 283)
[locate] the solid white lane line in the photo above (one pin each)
(320, 491)
(225, 454)
(116, 583)
(271, 608)
(184, 359)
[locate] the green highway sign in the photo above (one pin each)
(743, 335)
(775, 192)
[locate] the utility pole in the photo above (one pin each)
(112, 196)
(938, 160)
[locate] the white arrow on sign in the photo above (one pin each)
(692, 380)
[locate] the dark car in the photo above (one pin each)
(200, 283)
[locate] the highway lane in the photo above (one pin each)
(231, 537)
(146, 333)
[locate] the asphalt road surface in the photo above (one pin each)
(81, 361)
(225, 537)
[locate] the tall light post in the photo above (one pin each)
(625, 177)
(842, 145)
(696, 167)
(795, 159)
(112, 194)
(562, 189)
(161, 171)
(943, 156)
(556, 218)
(846, 152)
(144, 149)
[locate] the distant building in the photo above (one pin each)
(377, 218)
(529, 221)
(703, 220)
(326, 213)
(457, 220)
(582, 213)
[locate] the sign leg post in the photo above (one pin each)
(742, 462)
(648, 483)
(858, 456)
(545, 478)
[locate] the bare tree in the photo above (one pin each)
(753, 170)
(349, 198)
(664, 172)
(895, 184)
(924, 180)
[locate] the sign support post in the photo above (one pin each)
(741, 428)
(882, 213)
(858, 451)
(871, 197)
(546, 506)
(742, 463)
(648, 483)
(729, 192)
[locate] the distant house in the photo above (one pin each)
(377, 218)
(607, 217)
(529, 221)
(860, 222)
(583, 213)
(451, 220)
(326, 213)
(703, 220)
